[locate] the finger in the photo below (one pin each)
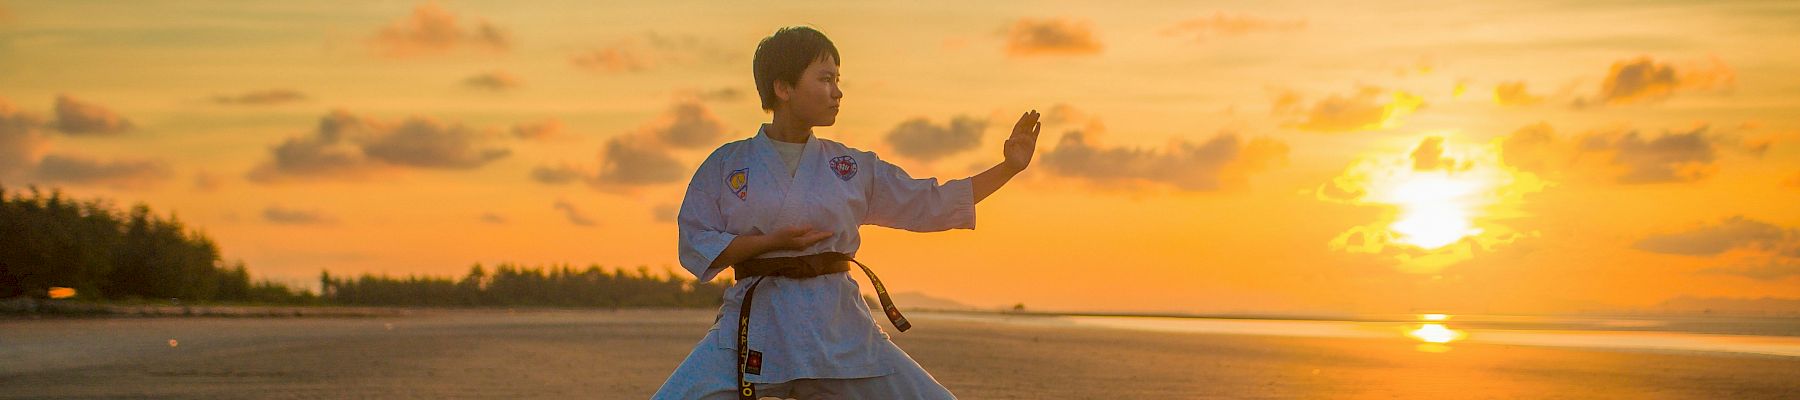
(1036, 128)
(1021, 123)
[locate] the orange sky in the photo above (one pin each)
(1254, 157)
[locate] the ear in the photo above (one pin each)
(783, 91)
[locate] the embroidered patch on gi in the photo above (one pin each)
(739, 181)
(753, 364)
(844, 167)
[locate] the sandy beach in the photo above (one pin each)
(627, 354)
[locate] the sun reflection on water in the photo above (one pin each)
(1434, 335)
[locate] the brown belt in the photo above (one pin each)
(802, 267)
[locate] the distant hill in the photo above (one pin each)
(1730, 305)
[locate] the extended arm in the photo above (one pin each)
(1018, 150)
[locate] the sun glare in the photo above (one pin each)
(1435, 333)
(1445, 201)
(1434, 210)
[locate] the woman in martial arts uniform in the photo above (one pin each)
(782, 208)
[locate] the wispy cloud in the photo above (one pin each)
(574, 215)
(1514, 94)
(1369, 108)
(132, 174)
(497, 81)
(1221, 24)
(22, 141)
(432, 30)
(652, 51)
(262, 97)
(291, 216)
(1745, 247)
(1051, 36)
(1223, 162)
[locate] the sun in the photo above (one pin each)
(1436, 209)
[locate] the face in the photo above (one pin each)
(813, 99)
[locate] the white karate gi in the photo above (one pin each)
(816, 332)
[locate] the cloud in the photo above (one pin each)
(123, 173)
(1672, 157)
(724, 94)
(688, 125)
(1627, 157)
(1222, 24)
(1746, 247)
(1514, 94)
(644, 156)
(208, 182)
(1051, 36)
(629, 162)
(1714, 239)
(425, 143)
(574, 215)
(24, 148)
(539, 131)
(497, 81)
(431, 30)
(22, 142)
(611, 60)
(1644, 79)
(921, 140)
(346, 146)
(1222, 162)
(288, 216)
(556, 175)
(1429, 155)
(1362, 111)
(492, 218)
(664, 212)
(75, 117)
(652, 51)
(262, 97)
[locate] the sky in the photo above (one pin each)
(1503, 157)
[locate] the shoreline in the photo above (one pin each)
(629, 353)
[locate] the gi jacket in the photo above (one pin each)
(817, 327)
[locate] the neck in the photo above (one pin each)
(786, 129)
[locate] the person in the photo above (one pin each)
(782, 208)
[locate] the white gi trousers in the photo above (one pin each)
(710, 373)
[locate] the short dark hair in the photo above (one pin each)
(784, 55)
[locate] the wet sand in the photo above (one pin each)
(627, 354)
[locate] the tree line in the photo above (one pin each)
(48, 240)
(511, 285)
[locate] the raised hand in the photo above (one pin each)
(1023, 142)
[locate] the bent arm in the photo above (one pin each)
(742, 248)
(745, 247)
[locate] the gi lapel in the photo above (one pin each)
(799, 189)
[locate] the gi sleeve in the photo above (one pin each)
(700, 224)
(896, 200)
